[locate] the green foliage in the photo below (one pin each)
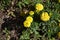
(25, 35)
(4, 3)
(7, 34)
(39, 30)
(27, 2)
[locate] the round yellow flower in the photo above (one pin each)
(45, 16)
(31, 12)
(58, 34)
(29, 18)
(27, 24)
(39, 7)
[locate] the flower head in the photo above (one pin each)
(39, 7)
(45, 16)
(27, 24)
(29, 18)
(31, 12)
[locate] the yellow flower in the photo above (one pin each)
(58, 34)
(39, 7)
(27, 24)
(29, 18)
(31, 12)
(45, 16)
